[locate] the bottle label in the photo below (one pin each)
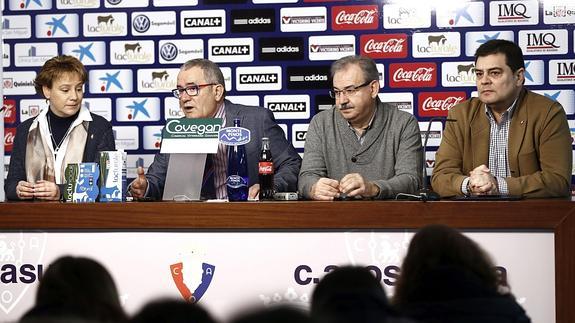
(236, 181)
(234, 136)
(266, 168)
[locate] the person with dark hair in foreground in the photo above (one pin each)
(172, 311)
(351, 295)
(276, 314)
(76, 289)
(446, 277)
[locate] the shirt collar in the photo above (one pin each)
(508, 112)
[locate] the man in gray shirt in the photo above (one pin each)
(362, 148)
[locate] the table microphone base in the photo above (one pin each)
(428, 195)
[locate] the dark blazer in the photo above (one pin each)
(100, 138)
(261, 123)
(539, 148)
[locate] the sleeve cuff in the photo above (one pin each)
(502, 185)
(464, 189)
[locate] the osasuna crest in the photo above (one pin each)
(192, 277)
(21, 265)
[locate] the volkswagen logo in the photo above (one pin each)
(141, 23)
(169, 51)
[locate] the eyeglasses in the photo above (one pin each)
(191, 90)
(347, 92)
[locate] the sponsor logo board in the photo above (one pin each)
(281, 48)
(412, 75)
(259, 78)
(330, 47)
(288, 106)
(105, 24)
(179, 51)
(379, 46)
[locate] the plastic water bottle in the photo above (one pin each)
(237, 180)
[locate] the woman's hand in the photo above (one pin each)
(25, 190)
(45, 190)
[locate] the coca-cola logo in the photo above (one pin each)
(432, 104)
(422, 74)
(413, 75)
(362, 17)
(440, 105)
(384, 46)
(265, 168)
(9, 111)
(390, 46)
(9, 134)
(355, 17)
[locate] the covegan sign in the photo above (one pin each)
(197, 136)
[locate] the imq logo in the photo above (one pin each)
(543, 42)
(280, 49)
(354, 17)
(258, 78)
(384, 45)
(562, 71)
(514, 13)
(308, 77)
(437, 104)
(412, 75)
(253, 20)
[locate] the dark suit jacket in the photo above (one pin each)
(261, 123)
(539, 148)
(100, 138)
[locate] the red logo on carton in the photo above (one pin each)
(412, 75)
(354, 17)
(437, 104)
(384, 46)
(9, 134)
(9, 111)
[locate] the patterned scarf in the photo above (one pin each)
(39, 157)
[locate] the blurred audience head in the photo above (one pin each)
(439, 258)
(172, 311)
(76, 288)
(276, 314)
(349, 294)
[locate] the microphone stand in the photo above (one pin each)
(425, 193)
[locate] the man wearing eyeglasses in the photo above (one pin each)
(201, 91)
(361, 148)
(507, 141)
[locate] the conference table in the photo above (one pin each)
(555, 216)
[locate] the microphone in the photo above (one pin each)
(425, 193)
